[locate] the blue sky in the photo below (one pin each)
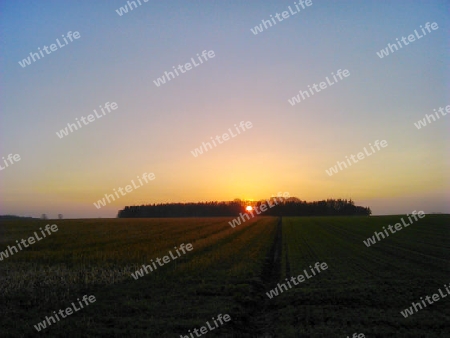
(117, 58)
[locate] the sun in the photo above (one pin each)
(249, 208)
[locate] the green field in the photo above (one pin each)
(365, 288)
(229, 271)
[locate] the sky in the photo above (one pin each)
(156, 129)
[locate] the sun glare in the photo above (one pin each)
(249, 208)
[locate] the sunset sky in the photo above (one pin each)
(154, 129)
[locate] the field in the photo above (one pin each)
(229, 271)
(365, 288)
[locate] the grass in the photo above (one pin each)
(97, 257)
(228, 271)
(364, 288)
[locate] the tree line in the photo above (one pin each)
(284, 207)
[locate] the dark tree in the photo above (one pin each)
(284, 207)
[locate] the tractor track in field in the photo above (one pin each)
(259, 313)
(288, 265)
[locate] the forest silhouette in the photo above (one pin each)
(284, 207)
